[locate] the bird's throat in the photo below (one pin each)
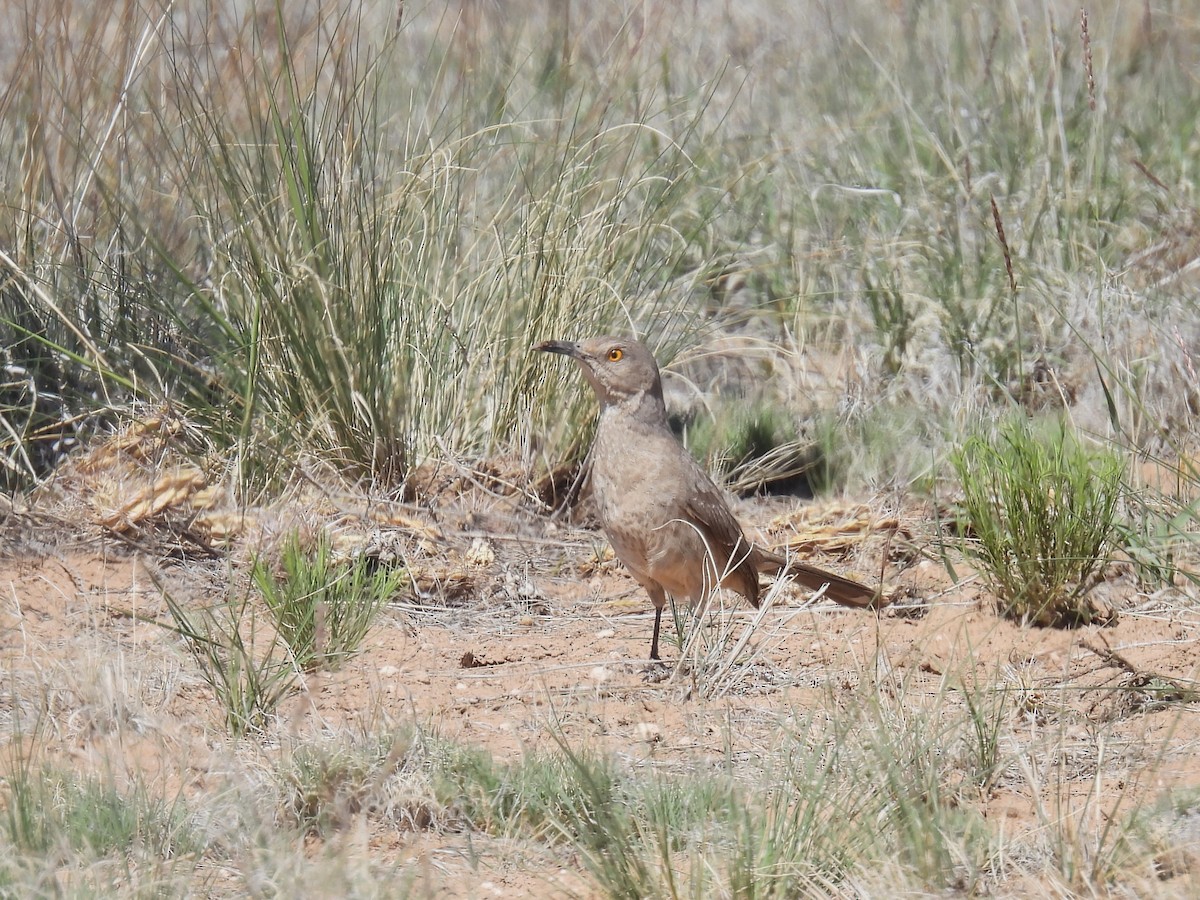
(641, 408)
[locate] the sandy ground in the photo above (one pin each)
(516, 625)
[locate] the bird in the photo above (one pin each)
(667, 521)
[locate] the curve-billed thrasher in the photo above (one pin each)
(666, 520)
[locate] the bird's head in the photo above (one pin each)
(619, 369)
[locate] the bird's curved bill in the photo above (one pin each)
(567, 348)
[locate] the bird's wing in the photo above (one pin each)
(707, 509)
(732, 553)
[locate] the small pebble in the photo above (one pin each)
(648, 732)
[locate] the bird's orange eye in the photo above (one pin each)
(615, 354)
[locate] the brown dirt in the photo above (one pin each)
(516, 625)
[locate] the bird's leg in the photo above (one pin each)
(657, 625)
(659, 598)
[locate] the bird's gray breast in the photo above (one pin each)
(633, 486)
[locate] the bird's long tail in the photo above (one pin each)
(842, 590)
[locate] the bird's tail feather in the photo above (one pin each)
(842, 590)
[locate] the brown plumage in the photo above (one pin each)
(666, 520)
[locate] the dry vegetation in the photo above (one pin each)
(299, 598)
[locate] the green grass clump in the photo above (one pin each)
(246, 665)
(1043, 510)
(751, 445)
(49, 811)
(318, 613)
(344, 232)
(525, 797)
(324, 786)
(322, 608)
(744, 431)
